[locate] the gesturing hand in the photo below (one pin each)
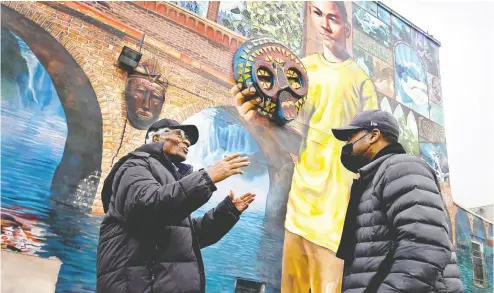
(242, 203)
(227, 167)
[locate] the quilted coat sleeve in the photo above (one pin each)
(142, 200)
(415, 209)
(451, 275)
(211, 227)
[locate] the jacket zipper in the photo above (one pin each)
(153, 276)
(198, 253)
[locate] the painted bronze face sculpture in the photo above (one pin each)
(277, 74)
(144, 96)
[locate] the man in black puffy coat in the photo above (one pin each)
(396, 235)
(148, 241)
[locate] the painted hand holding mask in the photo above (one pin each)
(277, 74)
(144, 95)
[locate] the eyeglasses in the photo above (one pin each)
(180, 133)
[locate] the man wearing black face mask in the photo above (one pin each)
(396, 236)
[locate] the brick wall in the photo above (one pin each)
(96, 46)
(180, 37)
(213, 10)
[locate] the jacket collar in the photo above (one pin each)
(155, 150)
(389, 150)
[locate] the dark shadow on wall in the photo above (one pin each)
(77, 176)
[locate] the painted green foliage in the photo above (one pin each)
(408, 131)
(407, 138)
(280, 20)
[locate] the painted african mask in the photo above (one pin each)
(144, 97)
(277, 74)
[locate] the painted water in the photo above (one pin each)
(33, 136)
(251, 249)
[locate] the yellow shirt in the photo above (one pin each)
(320, 188)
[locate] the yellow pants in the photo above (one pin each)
(308, 266)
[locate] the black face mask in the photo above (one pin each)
(353, 162)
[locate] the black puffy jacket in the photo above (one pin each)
(148, 241)
(396, 233)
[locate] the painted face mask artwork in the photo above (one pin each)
(277, 74)
(144, 96)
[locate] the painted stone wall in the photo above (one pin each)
(65, 120)
(473, 228)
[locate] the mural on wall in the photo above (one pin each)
(431, 131)
(20, 231)
(479, 241)
(280, 20)
(427, 50)
(316, 189)
(371, 25)
(383, 77)
(55, 144)
(380, 72)
(435, 91)
(384, 15)
(198, 7)
(411, 80)
(364, 60)
(76, 177)
(47, 160)
(436, 114)
(400, 30)
(409, 133)
(222, 133)
(474, 252)
(463, 247)
(370, 6)
(436, 156)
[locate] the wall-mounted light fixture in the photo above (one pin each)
(129, 58)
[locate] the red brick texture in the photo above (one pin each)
(213, 8)
(187, 33)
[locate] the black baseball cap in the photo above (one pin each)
(368, 120)
(190, 130)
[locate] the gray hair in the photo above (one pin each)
(161, 132)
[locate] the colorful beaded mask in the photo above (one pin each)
(277, 74)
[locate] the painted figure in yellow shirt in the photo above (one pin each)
(338, 90)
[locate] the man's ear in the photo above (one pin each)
(376, 134)
(348, 29)
(156, 138)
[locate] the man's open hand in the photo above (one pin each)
(242, 203)
(228, 166)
